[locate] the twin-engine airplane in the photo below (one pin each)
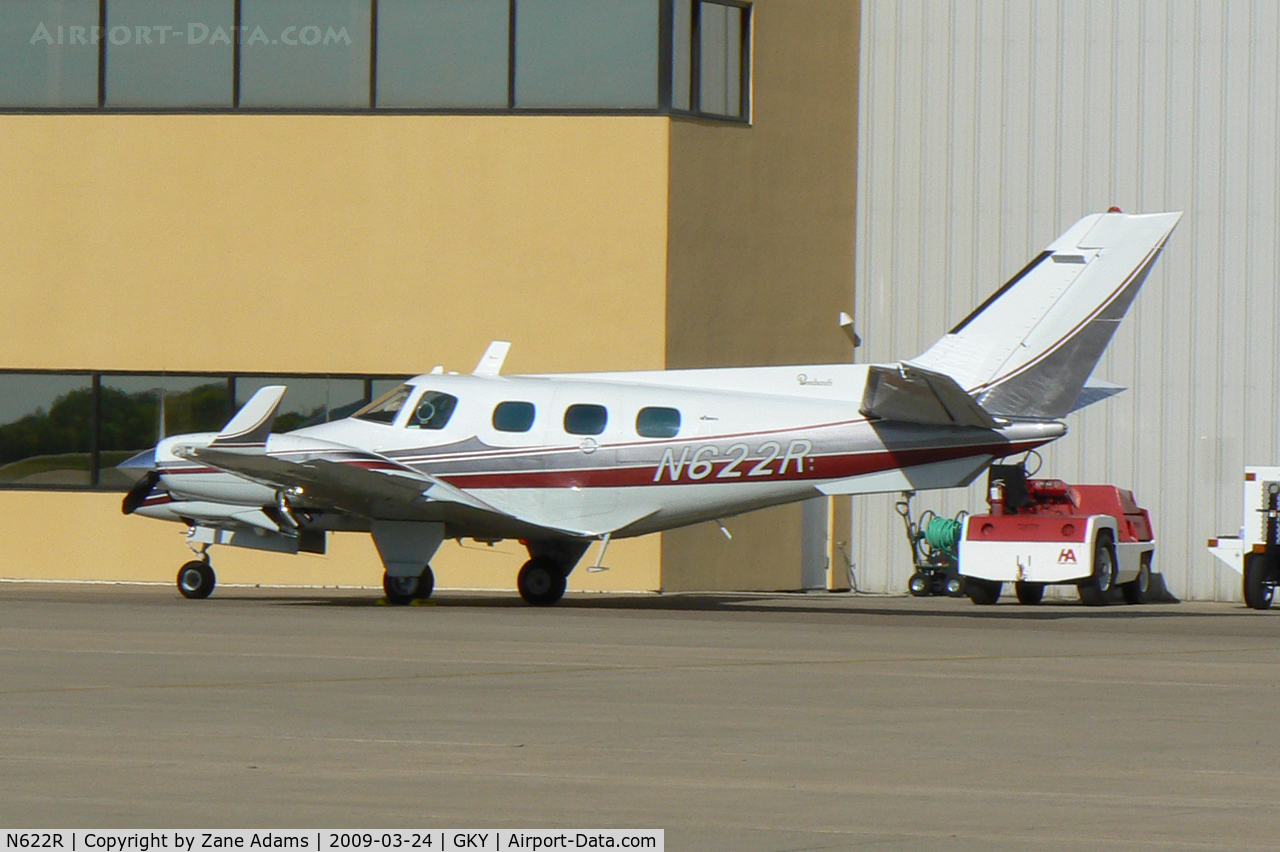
(559, 461)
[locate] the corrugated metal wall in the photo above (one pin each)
(988, 127)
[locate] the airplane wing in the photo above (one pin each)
(913, 394)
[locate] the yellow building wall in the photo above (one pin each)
(361, 244)
(761, 253)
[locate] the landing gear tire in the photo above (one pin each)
(401, 591)
(1259, 582)
(1029, 593)
(983, 592)
(954, 587)
(919, 585)
(196, 580)
(1094, 590)
(541, 582)
(1135, 591)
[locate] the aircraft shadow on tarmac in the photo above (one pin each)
(779, 604)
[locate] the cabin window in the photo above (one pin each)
(585, 419)
(513, 416)
(433, 411)
(658, 423)
(385, 408)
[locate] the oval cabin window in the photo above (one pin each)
(584, 419)
(658, 423)
(514, 416)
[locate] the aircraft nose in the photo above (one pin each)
(143, 461)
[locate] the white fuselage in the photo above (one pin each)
(746, 438)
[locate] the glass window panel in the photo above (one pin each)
(304, 53)
(432, 411)
(587, 53)
(585, 419)
(305, 403)
(658, 422)
(386, 407)
(137, 411)
(514, 416)
(170, 53)
(682, 55)
(443, 53)
(714, 22)
(45, 429)
(346, 396)
(720, 90)
(49, 53)
(382, 386)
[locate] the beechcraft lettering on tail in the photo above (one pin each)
(561, 461)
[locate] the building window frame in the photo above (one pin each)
(666, 24)
(95, 427)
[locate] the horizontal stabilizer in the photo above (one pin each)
(252, 423)
(1096, 390)
(914, 395)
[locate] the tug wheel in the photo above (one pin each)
(983, 592)
(1135, 591)
(1259, 582)
(1029, 593)
(919, 585)
(541, 582)
(1094, 589)
(196, 580)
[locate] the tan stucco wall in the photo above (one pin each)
(761, 251)
(321, 243)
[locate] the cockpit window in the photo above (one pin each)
(433, 411)
(514, 416)
(585, 419)
(658, 423)
(385, 408)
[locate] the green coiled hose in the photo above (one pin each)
(943, 534)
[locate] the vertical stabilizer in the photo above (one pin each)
(1029, 349)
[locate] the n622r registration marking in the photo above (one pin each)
(695, 464)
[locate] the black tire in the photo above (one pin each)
(954, 586)
(982, 592)
(401, 591)
(1029, 593)
(1259, 582)
(1135, 591)
(1095, 588)
(920, 585)
(196, 580)
(541, 582)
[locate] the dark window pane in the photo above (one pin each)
(305, 403)
(45, 429)
(346, 396)
(385, 408)
(432, 411)
(170, 53)
(137, 411)
(587, 53)
(585, 419)
(682, 55)
(513, 416)
(658, 422)
(48, 53)
(442, 53)
(304, 53)
(720, 92)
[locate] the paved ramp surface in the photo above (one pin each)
(735, 722)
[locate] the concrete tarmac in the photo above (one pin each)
(735, 722)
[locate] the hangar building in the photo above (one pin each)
(204, 196)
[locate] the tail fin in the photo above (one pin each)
(1028, 350)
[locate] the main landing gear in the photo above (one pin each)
(543, 578)
(405, 590)
(196, 579)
